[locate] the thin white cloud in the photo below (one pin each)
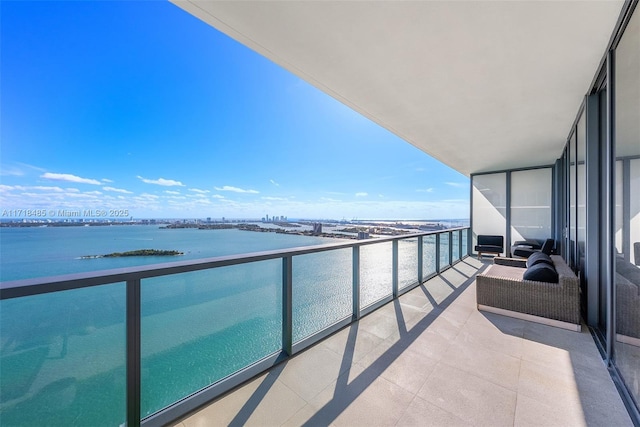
(273, 198)
(172, 192)
(147, 196)
(161, 181)
(217, 196)
(381, 196)
(18, 169)
(457, 184)
(10, 171)
(54, 189)
(362, 194)
(274, 183)
(117, 190)
(235, 189)
(328, 199)
(108, 181)
(425, 190)
(67, 177)
(197, 190)
(28, 166)
(32, 188)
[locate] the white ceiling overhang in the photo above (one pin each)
(478, 85)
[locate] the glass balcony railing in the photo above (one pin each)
(429, 256)
(445, 256)
(145, 345)
(408, 263)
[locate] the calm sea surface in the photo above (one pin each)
(63, 354)
(48, 251)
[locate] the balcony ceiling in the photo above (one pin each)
(478, 85)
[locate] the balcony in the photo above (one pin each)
(489, 89)
(430, 358)
(402, 342)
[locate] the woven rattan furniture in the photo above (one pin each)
(627, 280)
(501, 289)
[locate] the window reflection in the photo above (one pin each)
(627, 208)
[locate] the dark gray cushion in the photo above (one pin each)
(486, 240)
(523, 251)
(539, 257)
(532, 244)
(541, 273)
(547, 248)
(488, 248)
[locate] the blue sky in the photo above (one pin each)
(140, 106)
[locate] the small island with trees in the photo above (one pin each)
(139, 252)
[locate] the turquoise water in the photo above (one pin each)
(63, 354)
(49, 251)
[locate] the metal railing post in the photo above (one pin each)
(287, 304)
(356, 282)
(420, 255)
(460, 244)
(450, 247)
(437, 253)
(133, 353)
(394, 268)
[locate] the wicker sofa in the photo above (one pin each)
(502, 289)
(628, 300)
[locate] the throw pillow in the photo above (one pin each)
(541, 273)
(537, 258)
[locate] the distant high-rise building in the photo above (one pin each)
(363, 235)
(317, 228)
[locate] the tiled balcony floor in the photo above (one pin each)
(430, 358)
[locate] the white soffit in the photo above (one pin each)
(478, 85)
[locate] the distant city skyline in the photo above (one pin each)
(139, 106)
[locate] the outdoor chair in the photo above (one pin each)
(525, 250)
(489, 244)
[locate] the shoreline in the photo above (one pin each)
(257, 228)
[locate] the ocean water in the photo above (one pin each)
(29, 252)
(63, 354)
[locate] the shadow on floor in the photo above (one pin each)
(345, 393)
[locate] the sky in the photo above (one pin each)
(141, 107)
